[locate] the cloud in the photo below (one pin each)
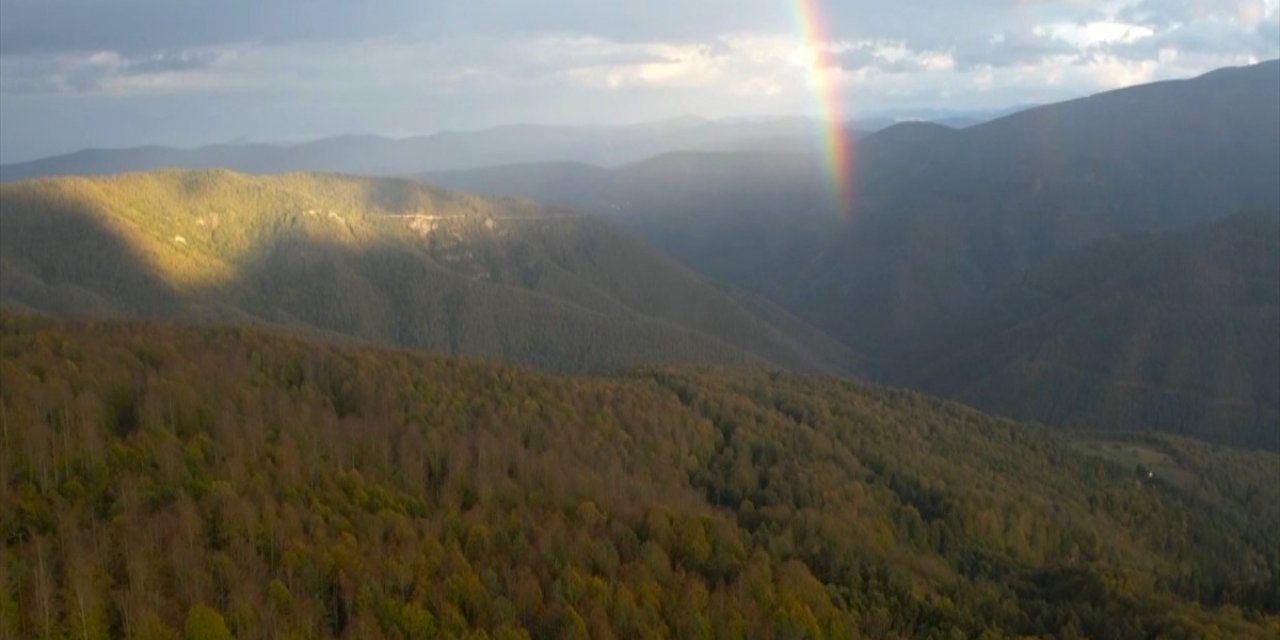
(1209, 37)
(891, 57)
(164, 62)
(1087, 35)
(1009, 48)
(1163, 14)
(972, 34)
(108, 72)
(142, 26)
(132, 26)
(290, 68)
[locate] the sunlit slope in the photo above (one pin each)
(1176, 331)
(382, 260)
(308, 488)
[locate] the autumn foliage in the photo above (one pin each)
(159, 481)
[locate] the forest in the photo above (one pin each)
(168, 481)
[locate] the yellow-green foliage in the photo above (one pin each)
(309, 490)
(204, 623)
(222, 217)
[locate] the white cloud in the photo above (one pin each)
(1093, 34)
(654, 64)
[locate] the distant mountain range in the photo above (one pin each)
(953, 118)
(946, 220)
(357, 492)
(376, 155)
(382, 260)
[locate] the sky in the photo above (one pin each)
(115, 73)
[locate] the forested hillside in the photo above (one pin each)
(157, 480)
(1178, 332)
(379, 260)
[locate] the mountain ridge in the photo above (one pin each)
(386, 260)
(379, 155)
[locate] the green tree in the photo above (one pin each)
(204, 623)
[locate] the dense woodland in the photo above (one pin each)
(159, 481)
(1175, 332)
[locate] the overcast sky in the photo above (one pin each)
(111, 73)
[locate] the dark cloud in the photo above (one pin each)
(134, 26)
(88, 73)
(31, 26)
(142, 27)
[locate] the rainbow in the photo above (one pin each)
(836, 150)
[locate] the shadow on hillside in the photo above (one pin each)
(64, 260)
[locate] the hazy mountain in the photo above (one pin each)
(374, 155)
(229, 479)
(451, 150)
(1177, 331)
(954, 118)
(943, 217)
(379, 259)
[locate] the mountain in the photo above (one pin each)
(1145, 155)
(1174, 331)
(954, 118)
(745, 218)
(234, 483)
(374, 155)
(383, 260)
(943, 218)
(454, 150)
